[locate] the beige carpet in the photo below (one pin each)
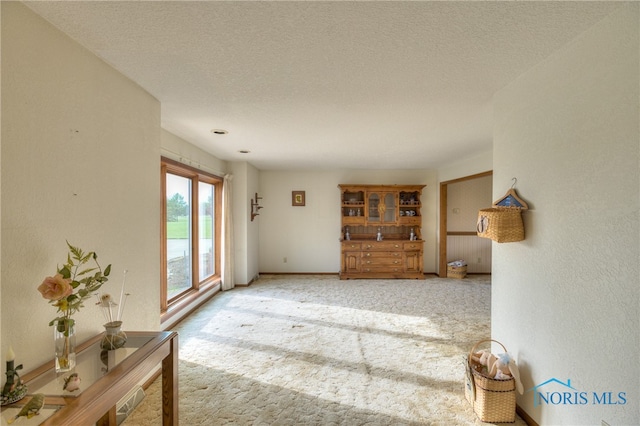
(314, 350)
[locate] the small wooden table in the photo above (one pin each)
(106, 377)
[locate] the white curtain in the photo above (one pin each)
(228, 279)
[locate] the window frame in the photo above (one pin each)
(169, 307)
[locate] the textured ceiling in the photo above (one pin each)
(323, 85)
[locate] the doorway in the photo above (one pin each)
(460, 200)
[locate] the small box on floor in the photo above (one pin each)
(457, 269)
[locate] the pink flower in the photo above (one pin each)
(55, 288)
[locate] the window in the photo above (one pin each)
(191, 211)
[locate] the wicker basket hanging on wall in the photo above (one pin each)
(503, 223)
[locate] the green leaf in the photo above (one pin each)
(86, 271)
(107, 271)
(65, 272)
(77, 252)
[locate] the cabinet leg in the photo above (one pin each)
(109, 418)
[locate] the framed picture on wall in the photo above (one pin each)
(297, 198)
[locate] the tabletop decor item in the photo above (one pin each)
(32, 408)
(114, 337)
(13, 390)
(74, 282)
(71, 383)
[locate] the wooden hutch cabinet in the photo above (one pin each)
(381, 231)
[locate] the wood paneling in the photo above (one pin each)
(470, 248)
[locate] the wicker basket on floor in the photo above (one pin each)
(494, 401)
(456, 271)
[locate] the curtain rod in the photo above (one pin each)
(188, 161)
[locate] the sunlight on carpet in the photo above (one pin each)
(292, 350)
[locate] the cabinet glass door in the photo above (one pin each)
(373, 208)
(390, 207)
(381, 208)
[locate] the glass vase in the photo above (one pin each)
(64, 338)
(114, 337)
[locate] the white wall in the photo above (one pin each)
(241, 216)
(178, 149)
(80, 162)
(245, 186)
(565, 300)
(309, 236)
(464, 199)
(467, 167)
(2, 346)
(253, 228)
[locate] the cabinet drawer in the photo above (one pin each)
(350, 246)
(410, 220)
(353, 220)
(382, 245)
(382, 261)
(382, 269)
(412, 245)
(390, 254)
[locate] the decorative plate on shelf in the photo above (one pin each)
(15, 395)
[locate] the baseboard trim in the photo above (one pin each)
(469, 273)
(324, 273)
(170, 320)
(526, 417)
(145, 385)
(298, 273)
